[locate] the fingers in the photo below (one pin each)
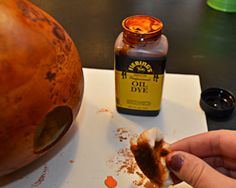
(221, 142)
(219, 161)
(227, 172)
(196, 172)
(223, 165)
(174, 178)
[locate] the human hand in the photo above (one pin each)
(205, 160)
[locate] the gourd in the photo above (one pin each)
(41, 83)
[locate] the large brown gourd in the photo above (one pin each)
(41, 83)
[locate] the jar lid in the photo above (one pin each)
(141, 24)
(217, 102)
(141, 29)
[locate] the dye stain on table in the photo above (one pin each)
(110, 182)
(123, 162)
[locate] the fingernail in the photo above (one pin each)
(176, 162)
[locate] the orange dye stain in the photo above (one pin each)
(110, 182)
(103, 110)
(71, 161)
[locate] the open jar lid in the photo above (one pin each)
(141, 28)
(217, 102)
(142, 24)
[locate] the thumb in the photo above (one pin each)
(196, 172)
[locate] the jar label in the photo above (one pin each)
(139, 83)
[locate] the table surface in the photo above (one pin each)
(66, 166)
(201, 40)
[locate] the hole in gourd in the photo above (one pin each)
(52, 128)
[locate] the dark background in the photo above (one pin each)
(201, 40)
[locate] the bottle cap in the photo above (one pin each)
(141, 28)
(217, 102)
(142, 24)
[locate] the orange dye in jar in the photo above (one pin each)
(140, 58)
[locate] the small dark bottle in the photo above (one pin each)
(140, 58)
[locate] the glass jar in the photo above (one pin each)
(140, 60)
